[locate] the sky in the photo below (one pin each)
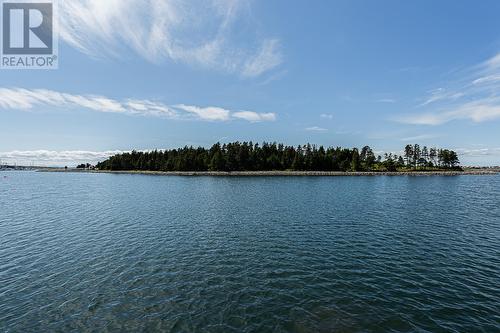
(154, 74)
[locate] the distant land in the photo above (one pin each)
(276, 159)
(273, 159)
(250, 157)
(16, 168)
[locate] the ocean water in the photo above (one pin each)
(103, 252)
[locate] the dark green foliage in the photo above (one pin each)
(391, 162)
(84, 166)
(355, 165)
(424, 158)
(246, 156)
(448, 158)
(367, 158)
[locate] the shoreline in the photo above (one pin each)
(280, 173)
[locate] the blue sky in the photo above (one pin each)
(163, 74)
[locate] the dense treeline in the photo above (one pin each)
(247, 156)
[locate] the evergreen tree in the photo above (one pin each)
(355, 160)
(246, 156)
(409, 155)
(416, 155)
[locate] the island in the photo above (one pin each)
(274, 159)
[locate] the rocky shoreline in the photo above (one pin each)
(283, 173)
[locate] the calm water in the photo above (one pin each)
(97, 252)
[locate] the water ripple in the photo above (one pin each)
(100, 252)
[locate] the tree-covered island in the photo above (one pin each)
(247, 156)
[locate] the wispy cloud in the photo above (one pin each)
(474, 95)
(26, 99)
(386, 100)
(441, 94)
(486, 79)
(475, 152)
(483, 156)
(204, 33)
(277, 75)
(316, 129)
(493, 62)
(268, 57)
(418, 138)
(326, 116)
(478, 111)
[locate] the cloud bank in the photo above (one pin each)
(26, 99)
(205, 33)
(54, 158)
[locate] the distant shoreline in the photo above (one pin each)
(280, 173)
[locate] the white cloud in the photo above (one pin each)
(479, 111)
(96, 103)
(149, 107)
(316, 129)
(54, 158)
(326, 116)
(254, 116)
(204, 33)
(26, 99)
(206, 113)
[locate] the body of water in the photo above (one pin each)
(103, 252)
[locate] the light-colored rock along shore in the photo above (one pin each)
(285, 173)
